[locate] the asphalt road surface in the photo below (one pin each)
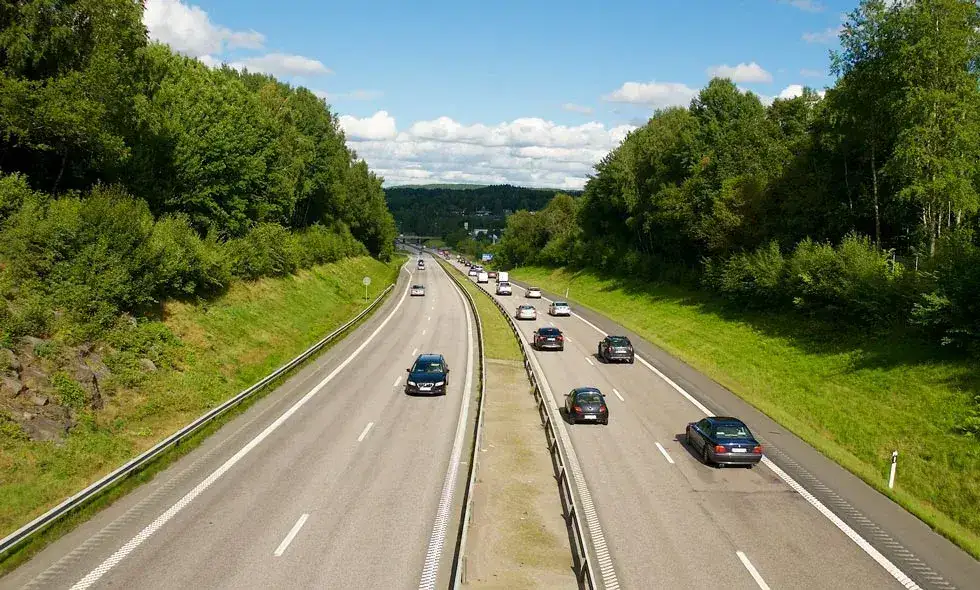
(671, 522)
(335, 480)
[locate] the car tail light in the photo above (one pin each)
(560, 337)
(602, 408)
(720, 449)
(577, 408)
(757, 449)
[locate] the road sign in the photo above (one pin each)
(366, 281)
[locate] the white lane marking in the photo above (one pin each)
(754, 572)
(414, 350)
(588, 358)
(552, 324)
(423, 332)
(430, 569)
(616, 391)
(851, 534)
(365, 431)
(663, 452)
(428, 318)
(161, 520)
(397, 381)
(292, 534)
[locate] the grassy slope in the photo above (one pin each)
(853, 398)
(227, 345)
(498, 338)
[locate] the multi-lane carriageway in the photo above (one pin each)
(338, 480)
(668, 521)
(335, 480)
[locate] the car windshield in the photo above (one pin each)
(731, 430)
(589, 397)
(427, 367)
(618, 341)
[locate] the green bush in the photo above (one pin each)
(70, 393)
(185, 264)
(320, 245)
(950, 311)
(267, 250)
(14, 190)
(753, 279)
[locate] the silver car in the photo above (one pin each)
(418, 290)
(533, 293)
(527, 312)
(503, 289)
(559, 308)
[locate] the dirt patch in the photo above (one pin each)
(517, 536)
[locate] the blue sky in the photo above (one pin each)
(421, 85)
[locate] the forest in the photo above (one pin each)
(441, 210)
(857, 206)
(130, 174)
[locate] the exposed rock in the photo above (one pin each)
(31, 341)
(35, 379)
(147, 365)
(95, 364)
(10, 386)
(40, 427)
(9, 361)
(39, 400)
(87, 378)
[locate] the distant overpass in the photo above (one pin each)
(416, 238)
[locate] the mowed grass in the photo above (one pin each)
(853, 397)
(227, 345)
(498, 339)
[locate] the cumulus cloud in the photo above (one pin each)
(743, 72)
(189, 30)
(828, 35)
(791, 91)
(527, 151)
(655, 94)
(283, 64)
(577, 108)
(805, 5)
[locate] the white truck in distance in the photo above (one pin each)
(503, 277)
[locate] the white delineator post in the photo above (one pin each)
(891, 476)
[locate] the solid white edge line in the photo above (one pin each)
(849, 532)
(433, 555)
(365, 431)
(754, 572)
(588, 358)
(161, 520)
(619, 395)
(663, 452)
(292, 534)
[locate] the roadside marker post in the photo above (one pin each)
(891, 476)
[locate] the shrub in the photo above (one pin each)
(186, 264)
(14, 190)
(320, 245)
(950, 311)
(753, 279)
(70, 393)
(267, 250)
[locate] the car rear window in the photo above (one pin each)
(619, 341)
(549, 331)
(589, 397)
(560, 304)
(731, 430)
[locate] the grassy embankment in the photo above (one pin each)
(225, 345)
(853, 397)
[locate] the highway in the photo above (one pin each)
(671, 522)
(335, 480)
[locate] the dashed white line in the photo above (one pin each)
(423, 332)
(113, 560)
(754, 572)
(663, 452)
(365, 431)
(428, 318)
(414, 351)
(292, 534)
(588, 358)
(619, 395)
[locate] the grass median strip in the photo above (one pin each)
(517, 535)
(224, 346)
(854, 398)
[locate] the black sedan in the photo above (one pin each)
(616, 348)
(586, 404)
(723, 440)
(548, 338)
(428, 376)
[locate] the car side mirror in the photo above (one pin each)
(408, 370)
(447, 369)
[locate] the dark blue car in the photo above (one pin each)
(428, 376)
(723, 440)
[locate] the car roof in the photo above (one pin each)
(430, 357)
(548, 330)
(534, 288)
(589, 389)
(725, 420)
(560, 303)
(418, 286)
(614, 337)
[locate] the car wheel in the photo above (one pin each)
(561, 348)
(631, 360)
(704, 455)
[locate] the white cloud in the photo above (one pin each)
(812, 73)
(805, 5)
(577, 108)
(743, 72)
(791, 91)
(283, 64)
(188, 29)
(656, 94)
(378, 126)
(527, 151)
(828, 35)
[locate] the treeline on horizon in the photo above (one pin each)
(442, 210)
(859, 208)
(130, 174)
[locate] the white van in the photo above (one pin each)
(503, 277)
(483, 278)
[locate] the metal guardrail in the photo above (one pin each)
(570, 503)
(459, 563)
(78, 500)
